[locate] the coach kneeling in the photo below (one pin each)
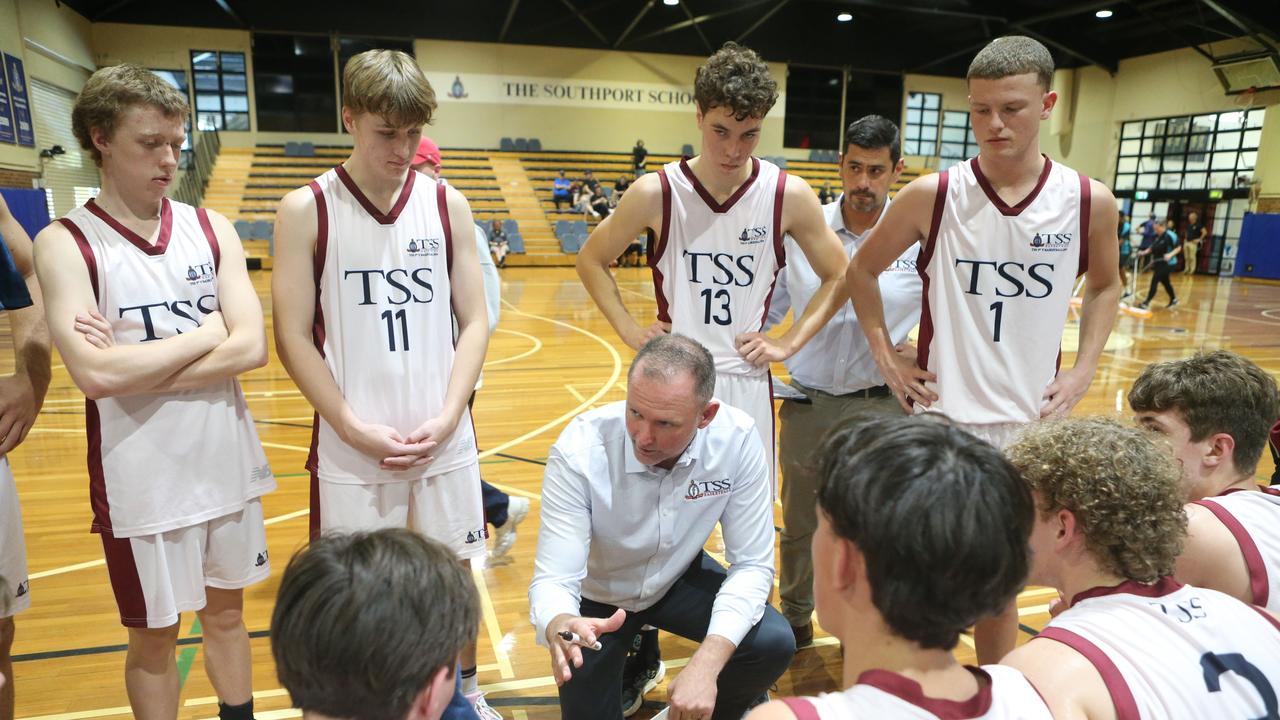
(632, 492)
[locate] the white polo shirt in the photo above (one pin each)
(838, 359)
(621, 533)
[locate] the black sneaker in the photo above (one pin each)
(641, 673)
(1173, 303)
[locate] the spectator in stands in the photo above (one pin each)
(589, 180)
(498, 242)
(638, 156)
(633, 256)
(561, 191)
(619, 187)
(582, 199)
(427, 159)
(826, 195)
(599, 202)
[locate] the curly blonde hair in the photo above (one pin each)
(1122, 488)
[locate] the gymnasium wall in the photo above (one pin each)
(54, 45)
(571, 98)
(1177, 82)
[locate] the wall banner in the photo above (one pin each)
(18, 99)
(8, 133)
(582, 93)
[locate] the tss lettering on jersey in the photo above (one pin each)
(184, 309)
(1006, 279)
(720, 268)
(396, 287)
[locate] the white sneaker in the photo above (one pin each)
(483, 711)
(505, 536)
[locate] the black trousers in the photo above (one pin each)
(595, 691)
(1160, 276)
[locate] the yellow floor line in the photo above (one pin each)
(491, 624)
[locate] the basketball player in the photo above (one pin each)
(153, 312)
(1003, 237)
(1133, 642)
(21, 395)
(922, 529)
(716, 224)
(1216, 409)
(373, 263)
(322, 622)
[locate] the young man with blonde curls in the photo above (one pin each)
(368, 279)
(151, 308)
(1133, 642)
(1216, 409)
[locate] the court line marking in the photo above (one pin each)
(491, 623)
(537, 345)
(586, 403)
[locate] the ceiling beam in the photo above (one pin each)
(586, 21)
(936, 12)
(700, 19)
(1246, 25)
(953, 55)
(98, 17)
(1176, 32)
(634, 22)
(226, 8)
(506, 24)
(763, 18)
(1110, 67)
(689, 14)
(1067, 12)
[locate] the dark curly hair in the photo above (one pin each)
(735, 78)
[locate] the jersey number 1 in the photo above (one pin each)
(390, 319)
(998, 309)
(723, 317)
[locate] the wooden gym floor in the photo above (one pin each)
(552, 357)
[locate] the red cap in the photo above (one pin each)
(428, 151)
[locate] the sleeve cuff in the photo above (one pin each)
(729, 625)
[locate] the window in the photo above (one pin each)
(812, 119)
(178, 79)
(294, 83)
(222, 90)
(1192, 152)
(921, 137)
(957, 141)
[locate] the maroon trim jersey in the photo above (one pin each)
(997, 286)
(162, 461)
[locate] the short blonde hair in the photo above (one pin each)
(1123, 489)
(112, 90)
(1013, 55)
(390, 84)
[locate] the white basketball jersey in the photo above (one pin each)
(1175, 651)
(998, 281)
(1254, 519)
(714, 264)
(1004, 694)
(161, 461)
(384, 321)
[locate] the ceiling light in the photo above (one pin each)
(1103, 14)
(844, 17)
(670, 2)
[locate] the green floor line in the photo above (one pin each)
(188, 655)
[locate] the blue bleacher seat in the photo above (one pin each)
(262, 230)
(522, 145)
(580, 226)
(535, 145)
(244, 229)
(510, 226)
(505, 145)
(686, 150)
(515, 243)
(307, 149)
